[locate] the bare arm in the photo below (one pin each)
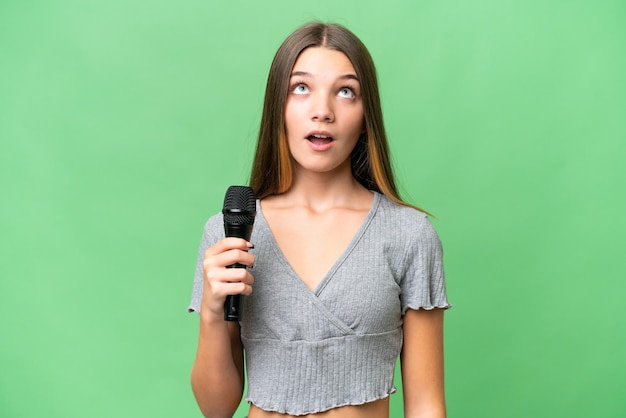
(422, 364)
(217, 376)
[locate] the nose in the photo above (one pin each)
(322, 109)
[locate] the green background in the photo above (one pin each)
(123, 122)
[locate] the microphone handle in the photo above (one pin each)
(233, 305)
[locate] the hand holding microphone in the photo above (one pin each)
(239, 212)
(225, 275)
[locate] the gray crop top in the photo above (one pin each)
(308, 352)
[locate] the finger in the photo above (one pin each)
(232, 284)
(233, 275)
(229, 258)
(235, 288)
(226, 244)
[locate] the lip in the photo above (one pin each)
(320, 146)
(325, 133)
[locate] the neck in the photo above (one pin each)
(322, 191)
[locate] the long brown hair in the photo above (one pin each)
(371, 166)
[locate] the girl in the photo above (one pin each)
(346, 277)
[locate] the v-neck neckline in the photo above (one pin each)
(338, 262)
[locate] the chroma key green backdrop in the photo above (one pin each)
(122, 123)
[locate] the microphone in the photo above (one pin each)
(239, 212)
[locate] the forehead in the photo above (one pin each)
(321, 60)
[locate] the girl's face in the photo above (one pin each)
(323, 112)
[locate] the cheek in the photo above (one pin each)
(292, 116)
(357, 121)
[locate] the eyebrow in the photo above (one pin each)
(343, 77)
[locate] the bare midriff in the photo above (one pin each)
(376, 409)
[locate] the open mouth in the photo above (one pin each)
(320, 139)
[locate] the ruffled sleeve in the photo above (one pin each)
(213, 232)
(423, 280)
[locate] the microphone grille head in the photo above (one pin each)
(239, 205)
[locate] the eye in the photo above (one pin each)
(300, 88)
(347, 93)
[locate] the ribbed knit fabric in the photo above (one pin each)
(308, 352)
